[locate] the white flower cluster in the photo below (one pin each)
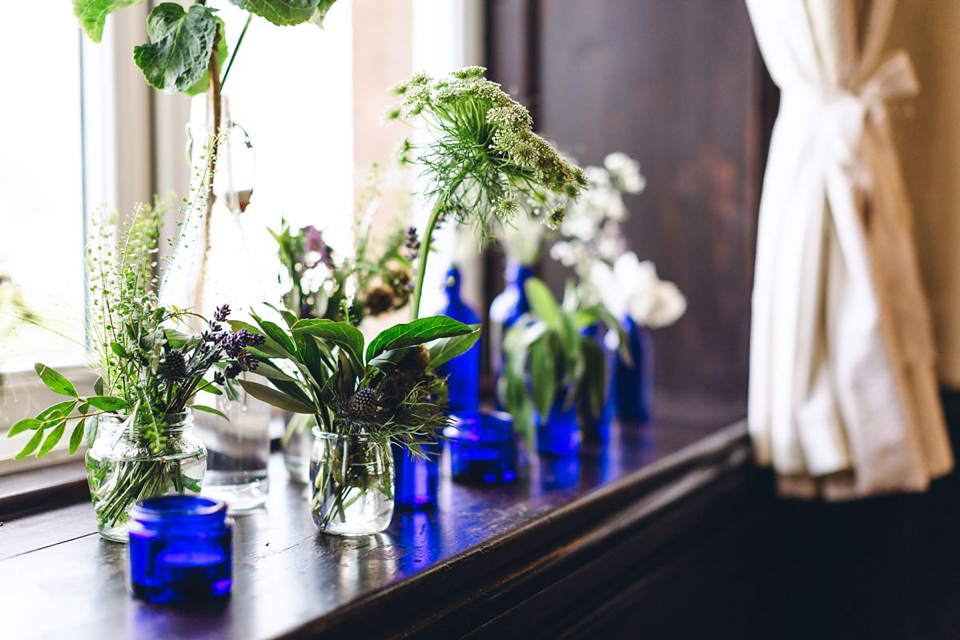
(632, 288)
(592, 228)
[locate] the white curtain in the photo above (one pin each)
(843, 394)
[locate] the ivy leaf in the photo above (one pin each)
(52, 439)
(446, 349)
(76, 437)
(417, 332)
(107, 403)
(275, 398)
(283, 12)
(180, 46)
(92, 14)
(200, 86)
(55, 381)
(206, 409)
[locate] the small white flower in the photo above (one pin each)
(313, 279)
(625, 171)
(632, 288)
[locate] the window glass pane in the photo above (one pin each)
(41, 181)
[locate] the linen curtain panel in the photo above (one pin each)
(843, 393)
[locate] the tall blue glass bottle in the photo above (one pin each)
(633, 386)
(463, 372)
(512, 302)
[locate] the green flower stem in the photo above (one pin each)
(236, 48)
(424, 254)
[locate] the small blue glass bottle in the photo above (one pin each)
(415, 482)
(181, 549)
(463, 372)
(597, 428)
(559, 434)
(482, 448)
(512, 302)
(633, 385)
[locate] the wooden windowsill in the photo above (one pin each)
(444, 572)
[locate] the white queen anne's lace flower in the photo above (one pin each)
(632, 288)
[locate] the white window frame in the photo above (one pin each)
(118, 172)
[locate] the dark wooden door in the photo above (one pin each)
(679, 85)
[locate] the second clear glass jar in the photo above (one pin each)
(351, 483)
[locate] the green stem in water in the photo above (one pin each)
(236, 48)
(424, 254)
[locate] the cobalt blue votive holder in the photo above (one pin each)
(415, 481)
(482, 448)
(181, 549)
(559, 434)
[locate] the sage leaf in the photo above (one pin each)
(180, 46)
(77, 436)
(55, 381)
(283, 12)
(206, 409)
(92, 14)
(345, 336)
(31, 446)
(275, 398)
(416, 332)
(23, 425)
(52, 439)
(107, 403)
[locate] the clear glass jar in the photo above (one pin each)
(351, 484)
(297, 446)
(122, 468)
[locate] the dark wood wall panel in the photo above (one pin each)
(677, 84)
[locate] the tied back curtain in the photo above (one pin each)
(843, 395)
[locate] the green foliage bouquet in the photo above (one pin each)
(550, 357)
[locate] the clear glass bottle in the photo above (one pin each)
(122, 468)
(213, 266)
(351, 484)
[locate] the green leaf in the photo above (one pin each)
(542, 302)
(206, 409)
(59, 410)
(92, 14)
(107, 403)
(52, 439)
(192, 484)
(118, 349)
(279, 337)
(31, 446)
(342, 334)
(90, 431)
(23, 425)
(275, 398)
(595, 376)
(180, 46)
(269, 349)
(201, 85)
(77, 436)
(543, 370)
(282, 12)
(417, 332)
(176, 339)
(54, 381)
(446, 349)
(98, 386)
(321, 12)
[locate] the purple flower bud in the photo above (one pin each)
(220, 315)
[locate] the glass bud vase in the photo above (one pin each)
(559, 434)
(507, 308)
(416, 481)
(123, 467)
(351, 484)
(633, 385)
(463, 372)
(297, 446)
(213, 266)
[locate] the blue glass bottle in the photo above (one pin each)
(181, 549)
(633, 385)
(463, 372)
(559, 434)
(415, 482)
(482, 448)
(512, 302)
(597, 428)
